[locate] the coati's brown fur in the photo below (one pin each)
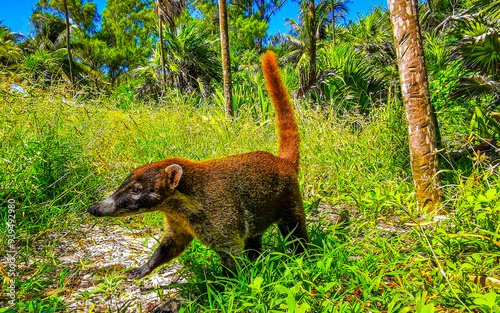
(226, 203)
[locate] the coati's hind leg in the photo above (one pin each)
(253, 247)
(293, 227)
(172, 245)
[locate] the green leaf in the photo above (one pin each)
(290, 301)
(491, 297)
(303, 307)
(300, 261)
(281, 289)
(427, 308)
(490, 194)
(330, 285)
(257, 283)
(321, 265)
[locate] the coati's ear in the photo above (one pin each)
(173, 175)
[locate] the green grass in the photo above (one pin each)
(58, 156)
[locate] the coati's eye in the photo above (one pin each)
(136, 190)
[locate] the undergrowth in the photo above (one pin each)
(371, 249)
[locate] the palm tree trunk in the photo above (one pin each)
(416, 99)
(333, 23)
(312, 43)
(431, 10)
(68, 41)
(162, 52)
(258, 45)
(262, 13)
(96, 84)
(226, 58)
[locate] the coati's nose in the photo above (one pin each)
(93, 210)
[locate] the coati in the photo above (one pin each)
(226, 203)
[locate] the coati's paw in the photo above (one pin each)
(138, 272)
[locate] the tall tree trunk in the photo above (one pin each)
(333, 23)
(226, 58)
(262, 16)
(416, 98)
(258, 45)
(68, 41)
(312, 43)
(432, 13)
(162, 52)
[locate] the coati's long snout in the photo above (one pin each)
(226, 203)
(96, 209)
(142, 191)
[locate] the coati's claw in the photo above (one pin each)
(138, 272)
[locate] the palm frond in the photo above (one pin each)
(475, 86)
(169, 10)
(493, 11)
(480, 50)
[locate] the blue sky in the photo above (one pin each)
(15, 14)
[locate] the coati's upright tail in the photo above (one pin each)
(289, 141)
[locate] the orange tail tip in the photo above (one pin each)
(289, 141)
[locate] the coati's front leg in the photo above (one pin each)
(227, 252)
(253, 247)
(170, 247)
(228, 261)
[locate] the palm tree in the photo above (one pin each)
(493, 10)
(190, 62)
(304, 39)
(312, 42)
(373, 28)
(68, 42)
(226, 58)
(151, 85)
(416, 98)
(478, 49)
(45, 49)
(162, 52)
(350, 80)
(167, 11)
(372, 36)
(49, 33)
(10, 53)
(339, 9)
(82, 14)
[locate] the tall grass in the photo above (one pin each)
(59, 155)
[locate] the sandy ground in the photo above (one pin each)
(96, 260)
